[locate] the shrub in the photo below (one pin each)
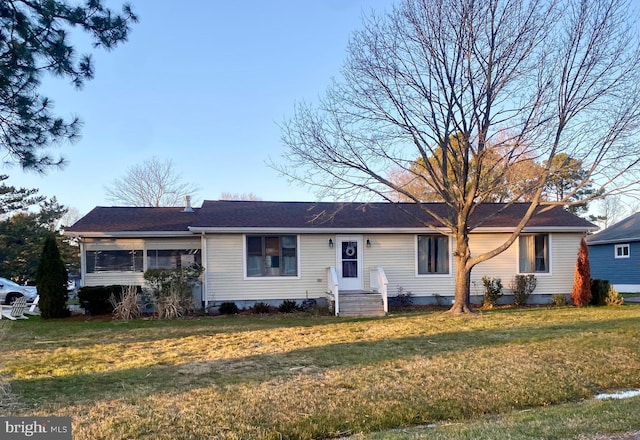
(599, 290)
(559, 300)
(523, 286)
(613, 298)
(172, 305)
(288, 306)
(581, 293)
(172, 289)
(228, 308)
(492, 291)
(402, 298)
(129, 307)
(261, 308)
(96, 300)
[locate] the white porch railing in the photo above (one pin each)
(333, 289)
(379, 284)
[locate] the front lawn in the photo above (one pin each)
(314, 377)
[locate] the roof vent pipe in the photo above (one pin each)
(187, 204)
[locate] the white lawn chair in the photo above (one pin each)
(33, 309)
(15, 310)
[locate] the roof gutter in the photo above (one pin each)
(128, 234)
(415, 230)
(612, 240)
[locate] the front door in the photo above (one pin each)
(349, 262)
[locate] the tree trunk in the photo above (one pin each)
(462, 297)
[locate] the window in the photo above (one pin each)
(622, 251)
(534, 253)
(272, 255)
(433, 254)
(114, 261)
(173, 259)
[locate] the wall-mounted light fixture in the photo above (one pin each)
(330, 243)
(368, 243)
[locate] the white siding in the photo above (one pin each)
(225, 278)
(563, 255)
(396, 253)
(564, 251)
(113, 279)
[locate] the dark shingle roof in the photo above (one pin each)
(312, 215)
(625, 230)
(130, 219)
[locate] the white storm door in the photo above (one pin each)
(349, 262)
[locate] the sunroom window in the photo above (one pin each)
(433, 254)
(272, 255)
(114, 261)
(172, 259)
(534, 253)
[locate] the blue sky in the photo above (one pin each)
(205, 84)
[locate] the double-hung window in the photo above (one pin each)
(433, 254)
(622, 251)
(534, 253)
(272, 255)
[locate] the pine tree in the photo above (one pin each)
(51, 281)
(581, 294)
(35, 41)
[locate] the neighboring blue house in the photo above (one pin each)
(614, 254)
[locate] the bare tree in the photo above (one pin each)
(530, 79)
(236, 196)
(152, 183)
(611, 210)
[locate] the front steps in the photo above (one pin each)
(360, 304)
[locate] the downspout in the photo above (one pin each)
(203, 244)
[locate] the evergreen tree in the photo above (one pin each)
(34, 40)
(22, 236)
(51, 281)
(581, 294)
(16, 199)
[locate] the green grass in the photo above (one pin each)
(272, 377)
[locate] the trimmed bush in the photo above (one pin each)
(97, 300)
(288, 306)
(599, 290)
(261, 308)
(228, 308)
